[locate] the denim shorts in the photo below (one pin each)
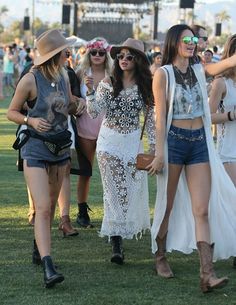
(187, 146)
(45, 164)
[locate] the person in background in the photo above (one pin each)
(122, 98)
(156, 61)
(195, 204)
(208, 54)
(216, 57)
(47, 90)
(223, 113)
(8, 70)
(94, 66)
(200, 32)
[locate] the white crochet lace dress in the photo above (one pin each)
(125, 190)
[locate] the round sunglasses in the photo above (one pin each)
(128, 57)
(100, 53)
(188, 39)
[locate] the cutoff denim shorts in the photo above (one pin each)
(45, 164)
(187, 146)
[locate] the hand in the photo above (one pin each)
(89, 82)
(39, 124)
(81, 106)
(157, 166)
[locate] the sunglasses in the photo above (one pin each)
(100, 53)
(188, 39)
(205, 38)
(128, 57)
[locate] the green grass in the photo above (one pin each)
(90, 278)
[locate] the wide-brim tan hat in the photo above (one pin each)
(49, 44)
(131, 44)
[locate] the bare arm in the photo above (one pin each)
(221, 66)
(159, 93)
(26, 90)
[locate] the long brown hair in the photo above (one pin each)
(229, 50)
(142, 74)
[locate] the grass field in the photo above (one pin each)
(90, 278)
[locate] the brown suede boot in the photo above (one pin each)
(209, 280)
(162, 266)
(66, 227)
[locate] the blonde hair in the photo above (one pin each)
(51, 69)
(85, 63)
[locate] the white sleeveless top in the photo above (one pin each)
(226, 131)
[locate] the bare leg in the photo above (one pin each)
(173, 179)
(64, 206)
(64, 195)
(31, 213)
(162, 266)
(199, 183)
(44, 187)
(231, 170)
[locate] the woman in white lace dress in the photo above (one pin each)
(223, 108)
(122, 98)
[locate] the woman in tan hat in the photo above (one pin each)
(46, 152)
(122, 99)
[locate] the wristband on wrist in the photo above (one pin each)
(229, 116)
(26, 118)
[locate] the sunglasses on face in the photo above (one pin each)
(128, 57)
(188, 39)
(205, 38)
(100, 53)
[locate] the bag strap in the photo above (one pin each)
(144, 123)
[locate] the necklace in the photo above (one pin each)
(187, 80)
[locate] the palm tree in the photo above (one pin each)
(223, 16)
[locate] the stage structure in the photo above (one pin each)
(115, 20)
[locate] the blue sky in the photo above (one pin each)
(51, 10)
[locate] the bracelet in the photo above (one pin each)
(90, 93)
(229, 117)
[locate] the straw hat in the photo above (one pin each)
(49, 44)
(131, 44)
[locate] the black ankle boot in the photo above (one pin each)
(83, 218)
(51, 277)
(117, 251)
(36, 259)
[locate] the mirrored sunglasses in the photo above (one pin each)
(188, 39)
(128, 57)
(100, 53)
(205, 38)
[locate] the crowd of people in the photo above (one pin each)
(94, 106)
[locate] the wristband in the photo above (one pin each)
(229, 117)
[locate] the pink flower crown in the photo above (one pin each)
(98, 44)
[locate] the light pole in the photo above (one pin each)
(155, 24)
(33, 16)
(75, 28)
